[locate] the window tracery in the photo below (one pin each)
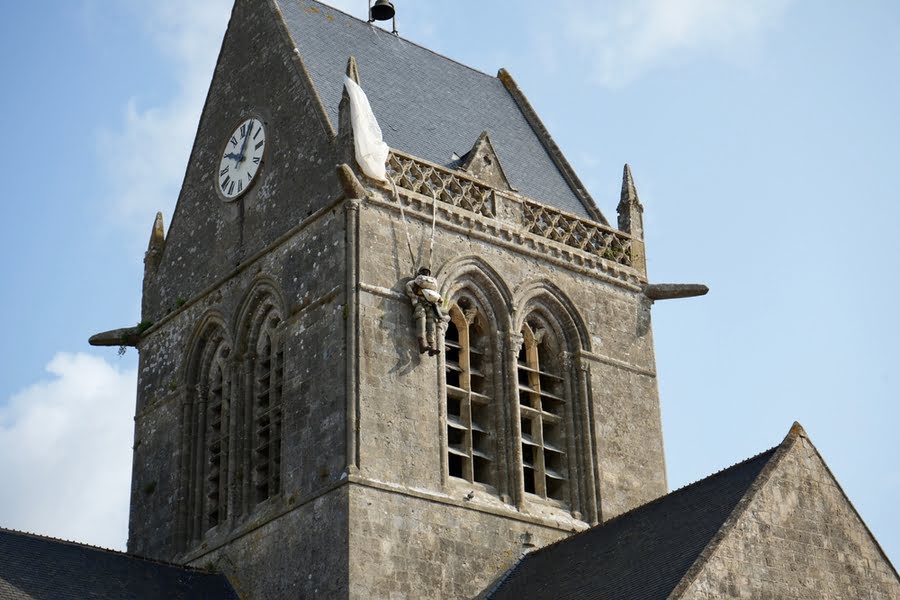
(217, 438)
(233, 418)
(268, 385)
(542, 412)
(469, 395)
(208, 434)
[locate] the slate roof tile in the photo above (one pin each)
(427, 105)
(38, 567)
(640, 555)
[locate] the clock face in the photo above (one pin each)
(241, 159)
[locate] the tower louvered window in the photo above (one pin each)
(542, 410)
(469, 402)
(217, 438)
(268, 387)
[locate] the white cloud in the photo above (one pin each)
(146, 158)
(65, 452)
(623, 40)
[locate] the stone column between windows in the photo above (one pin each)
(249, 378)
(199, 475)
(442, 405)
(182, 528)
(573, 427)
(515, 342)
(502, 423)
(230, 393)
(591, 476)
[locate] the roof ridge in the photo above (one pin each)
(673, 493)
(797, 431)
(504, 576)
(554, 152)
(761, 479)
(48, 538)
(407, 40)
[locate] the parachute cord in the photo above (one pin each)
(433, 223)
(412, 256)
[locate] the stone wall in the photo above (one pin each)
(302, 554)
(367, 508)
(406, 547)
(400, 396)
(307, 270)
(286, 233)
(257, 75)
(429, 532)
(799, 537)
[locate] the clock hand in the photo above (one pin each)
(246, 139)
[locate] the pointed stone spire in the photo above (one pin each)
(629, 192)
(353, 69)
(630, 210)
(157, 244)
(152, 259)
(345, 129)
(631, 220)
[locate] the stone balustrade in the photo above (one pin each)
(458, 189)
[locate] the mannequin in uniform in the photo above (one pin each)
(426, 301)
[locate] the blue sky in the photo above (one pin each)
(764, 137)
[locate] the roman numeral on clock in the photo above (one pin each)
(225, 183)
(224, 172)
(256, 160)
(260, 145)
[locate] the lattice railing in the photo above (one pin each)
(455, 188)
(452, 188)
(578, 233)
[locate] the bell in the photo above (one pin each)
(382, 11)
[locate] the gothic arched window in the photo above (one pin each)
(208, 451)
(217, 436)
(469, 395)
(542, 410)
(268, 385)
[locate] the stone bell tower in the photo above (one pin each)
(288, 430)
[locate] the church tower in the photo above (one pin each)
(288, 430)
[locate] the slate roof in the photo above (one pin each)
(33, 566)
(640, 555)
(427, 105)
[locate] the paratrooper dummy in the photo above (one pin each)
(426, 301)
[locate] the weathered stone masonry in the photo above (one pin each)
(287, 430)
(798, 537)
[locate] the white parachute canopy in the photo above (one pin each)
(371, 151)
